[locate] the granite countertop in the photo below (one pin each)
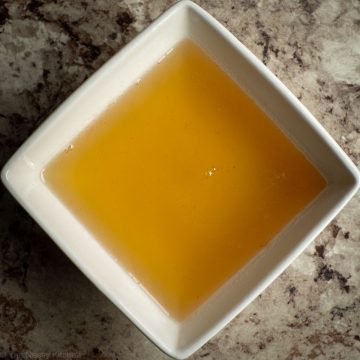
(48, 309)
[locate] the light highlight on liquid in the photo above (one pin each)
(183, 179)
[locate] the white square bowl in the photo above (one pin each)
(22, 176)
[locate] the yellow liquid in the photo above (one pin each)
(183, 179)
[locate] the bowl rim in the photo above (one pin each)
(16, 160)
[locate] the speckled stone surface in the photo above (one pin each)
(48, 309)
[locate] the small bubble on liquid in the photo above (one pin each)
(69, 148)
(211, 172)
(281, 176)
(138, 81)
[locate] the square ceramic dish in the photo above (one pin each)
(22, 176)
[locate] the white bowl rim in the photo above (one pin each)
(21, 161)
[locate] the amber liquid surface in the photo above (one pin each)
(183, 179)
